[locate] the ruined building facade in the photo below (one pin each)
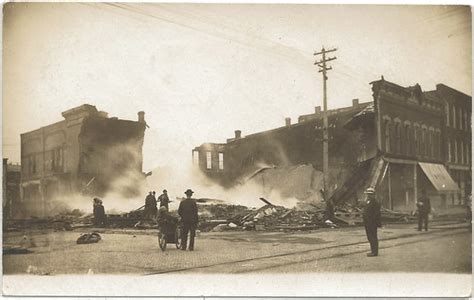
(291, 144)
(84, 153)
(403, 142)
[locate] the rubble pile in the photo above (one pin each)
(212, 215)
(271, 217)
(61, 222)
(390, 216)
(268, 217)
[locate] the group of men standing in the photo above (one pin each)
(151, 204)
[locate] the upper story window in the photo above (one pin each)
(438, 144)
(407, 140)
(208, 160)
(57, 159)
(454, 116)
(195, 158)
(466, 124)
(416, 137)
(221, 161)
(447, 115)
(461, 120)
(423, 141)
(461, 145)
(398, 142)
(387, 135)
(32, 164)
(429, 150)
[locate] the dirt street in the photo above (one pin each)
(445, 248)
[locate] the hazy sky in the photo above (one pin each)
(202, 71)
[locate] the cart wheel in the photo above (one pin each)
(162, 241)
(177, 235)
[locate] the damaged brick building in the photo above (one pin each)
(404, 141)
(291, 144)
(84, 153)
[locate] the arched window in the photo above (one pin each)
(416, 139)
(423, 141)
(387, 135)
(430, 150)
(407, 139)
(398, 142)
(436, 146)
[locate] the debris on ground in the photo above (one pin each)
(391, 216)
(216, 215)
(89, 238)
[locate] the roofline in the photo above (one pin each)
(452, 89)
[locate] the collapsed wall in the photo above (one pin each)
(302, 182)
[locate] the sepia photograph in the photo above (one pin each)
(236, 149)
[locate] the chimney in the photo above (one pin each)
(141, 116)
(355, 102)
(238, 134)
(317, 110)
(287, 122)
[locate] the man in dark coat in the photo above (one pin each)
(372, 221)
(99, 213)
(424, 209)
(164, 200)
(150, 206)
(188, 212)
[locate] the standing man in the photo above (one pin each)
(372, 221)
(188, 212)
(164, 200)
(150, 206)
(99, 213)
(424, 209)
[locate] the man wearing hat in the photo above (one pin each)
(424, 209)
(372, 221)
(188, 212)
(164, 200)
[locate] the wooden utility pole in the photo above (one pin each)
(323, 69)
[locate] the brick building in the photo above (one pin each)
(414, 134)
(458, 140)
(291, 144)
(84, 153)
(404, 141)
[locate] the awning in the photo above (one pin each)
(439, 177)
